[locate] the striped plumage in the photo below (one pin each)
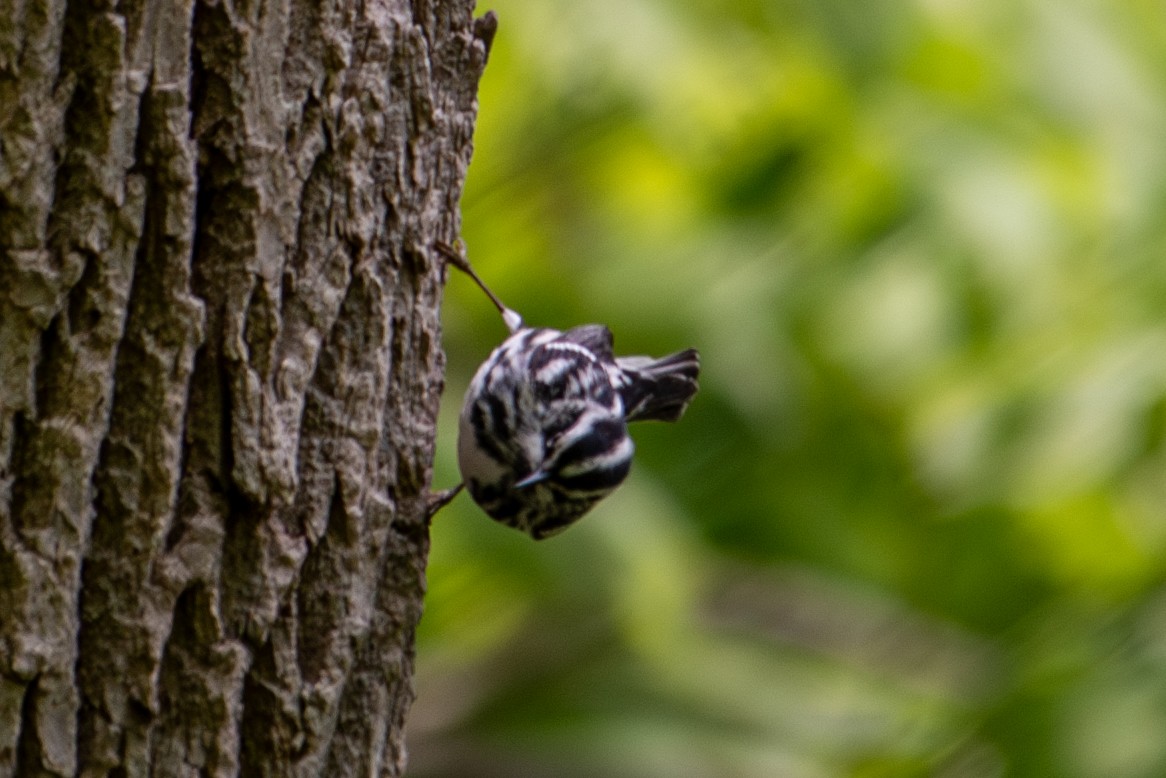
(543, 434)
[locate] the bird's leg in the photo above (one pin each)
(457, 258)
(435, 501)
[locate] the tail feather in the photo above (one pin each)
(659, 389)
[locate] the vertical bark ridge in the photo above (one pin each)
(125, 606)
(91, 238)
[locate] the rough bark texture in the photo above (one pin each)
(220, 367)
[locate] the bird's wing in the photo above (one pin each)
(595, 338)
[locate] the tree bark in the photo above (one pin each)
(220, 367)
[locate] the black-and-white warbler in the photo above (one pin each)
(543, 431)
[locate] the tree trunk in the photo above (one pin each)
(220, 367)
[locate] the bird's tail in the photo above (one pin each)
(658, 389)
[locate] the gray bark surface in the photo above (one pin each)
(220, 368)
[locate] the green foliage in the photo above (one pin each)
(915, 522)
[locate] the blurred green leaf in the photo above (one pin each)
(915, 522)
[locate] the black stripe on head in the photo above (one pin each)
(600, 479)
(602, 436)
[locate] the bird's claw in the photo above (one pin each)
(435, 501)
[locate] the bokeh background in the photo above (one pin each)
(915, 522)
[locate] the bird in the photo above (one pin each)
(542, 435)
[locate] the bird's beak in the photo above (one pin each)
(537, 477)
